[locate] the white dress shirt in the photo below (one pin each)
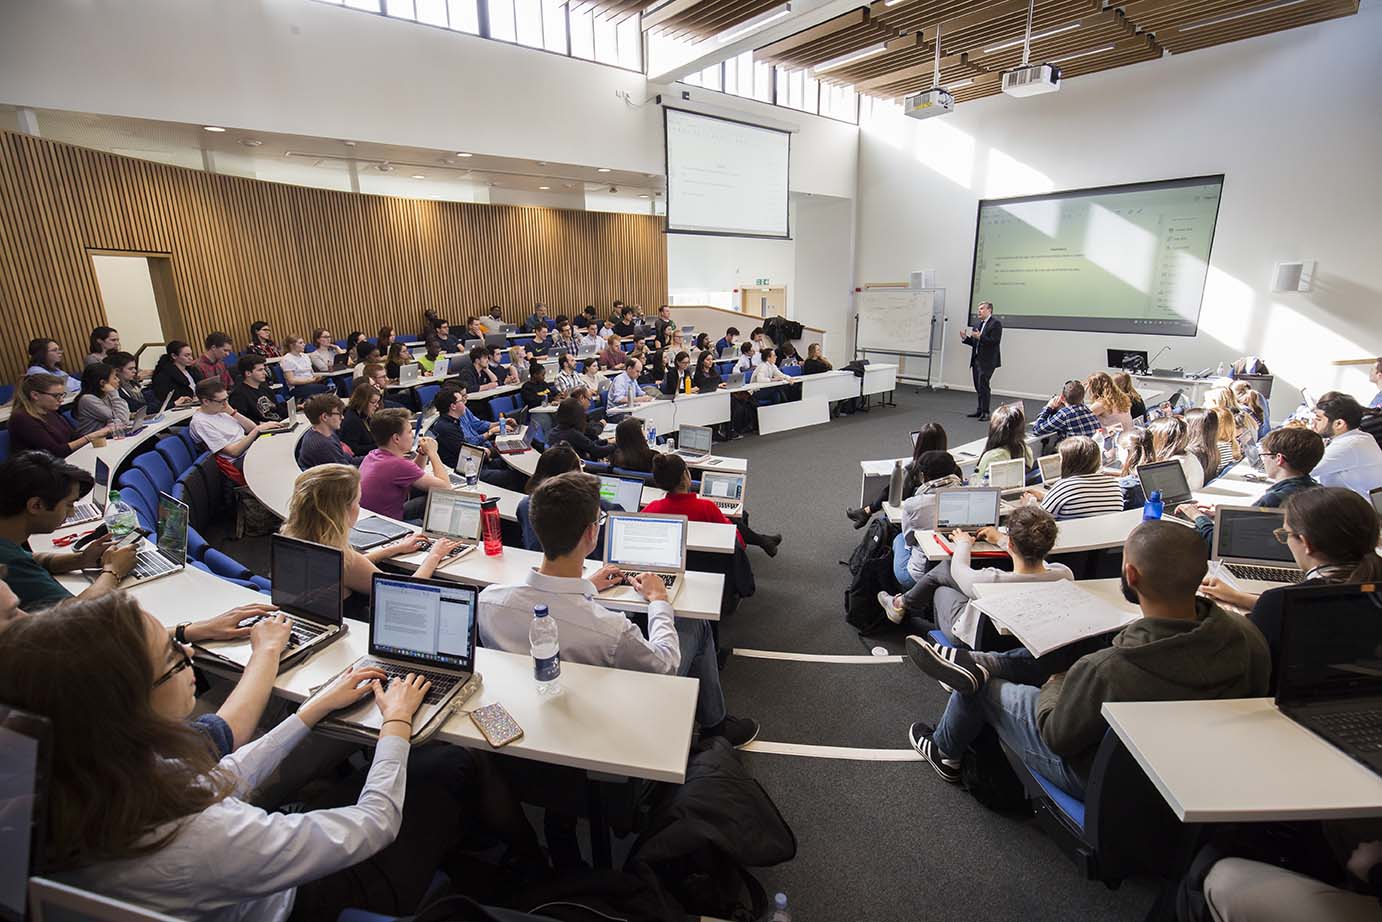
(1353, 460)
(234, 861)
(587, 631)
(591, 341)
(767, 371)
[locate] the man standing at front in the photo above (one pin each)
(985, 356)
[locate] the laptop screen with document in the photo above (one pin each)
(641, 541)
(966, 507)
(625, 493)
(723, 486)
(1246, 534)
(307, 578)
(431, 622)
(1331, 643)
(456, 515)
(694, 438)
(25, 755)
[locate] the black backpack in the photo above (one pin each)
(870, 572)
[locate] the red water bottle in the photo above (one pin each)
(490, 528)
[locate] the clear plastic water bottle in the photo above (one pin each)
(542, 636)
(121, 520)
(652, 436)
(779, 911)
(1153, 507)
(472, 471)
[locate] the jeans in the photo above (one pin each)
(1020, 666)
(698, 661)
(920, 599)
(902, 555)
(1010, 709)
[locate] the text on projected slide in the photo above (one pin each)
(725, 177)
(1131, 259)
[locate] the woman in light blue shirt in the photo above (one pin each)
(45, 358)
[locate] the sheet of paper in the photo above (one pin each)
(1048, 616)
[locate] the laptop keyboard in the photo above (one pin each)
(1359, 730)
(1265, 574)
(442, 682)
(667, 578)
(82, 512)
(728, 505)
(151, 563)
(304, 632)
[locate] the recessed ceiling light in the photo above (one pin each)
(542, 163)
(212, 128)
(545, 188)
(603, 169)
(251, 142)
(348, 143)
(418, 176)
(461, 153)
(643, 195)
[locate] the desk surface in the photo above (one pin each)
(117, 451)
(1241, 761)
(591, 726)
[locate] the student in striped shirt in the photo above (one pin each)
(1066, 414)
(1083, 488)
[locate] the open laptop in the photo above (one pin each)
(441, 367)
(735, 379)
(496, 339)
(725, 490)
(26, 746)
(1329, 678)
(309, 586)
(1009, 477)
(1375, 495)
(371, 531)
(514, 443)
(94, 509)
(163, 408)
(623, 492)
(693, 444)
(641, 542)
(1244, 543)
(290, 422)
(1168, 477)
(468, 451)
(969, 508)
(452, 515)
(1049, 465)
(422, 626)
(409, 374)
(169, 554)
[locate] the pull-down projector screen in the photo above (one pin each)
(1118, 259)
(725, 177)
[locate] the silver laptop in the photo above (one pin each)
(693, 443)
(288, 424)
(514, 442)
(641, 542)
(969, 508)
(468, 451)
(94, 509)
(163, 408)
(426, 627)
(441, 367)
(735, 379)
(308, 586)
(726, 490)
(1009, 477)
(623, 492)
(1049, 465)
(1168, 477)
(169, 554)
(409, 374)
(452, 515)
(1245, 545)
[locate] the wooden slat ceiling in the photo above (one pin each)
(1086, 36)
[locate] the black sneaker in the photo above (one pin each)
(740, 731)
(859, 516)
(919, 735)
(950, 666)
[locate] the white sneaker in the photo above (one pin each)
(890, 608)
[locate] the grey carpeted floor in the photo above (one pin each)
(877, 840)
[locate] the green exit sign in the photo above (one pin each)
(760, 281)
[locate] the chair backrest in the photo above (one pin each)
(4, 444)
(194, 494)
(196, 544)
(426, 393)
(137, 481)
(793, 371)
(224, 565)
(277, 371)
(174, 451)
(6, 392)
(156, 468)
(50, 901)
(637, 475)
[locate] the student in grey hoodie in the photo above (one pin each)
(1183, 648)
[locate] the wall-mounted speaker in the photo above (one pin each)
(1294, 276)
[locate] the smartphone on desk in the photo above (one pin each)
(497, 724)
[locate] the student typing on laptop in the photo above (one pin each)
(1083, 488)
(1332, 533)
(1288, 457)
(1183, 648)
(324, 507)
(181, 805)
(565, 513)
(388, 476)
(224, 431)
(457, 425)
(671, 474)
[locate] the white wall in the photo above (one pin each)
(127, 294)
(821, 292)
(1293, 120)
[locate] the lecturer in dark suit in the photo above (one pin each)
(985, 356)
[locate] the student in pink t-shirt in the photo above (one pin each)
(388, 476)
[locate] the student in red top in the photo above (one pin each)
(670, 473)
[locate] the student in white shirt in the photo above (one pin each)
(302, 380)
(1352, 457)
(323, 358)
(590, 341)
(224, 431)
(1083, 488)
(564, 512)
(186, 840)
(748, 361)
(767, 372)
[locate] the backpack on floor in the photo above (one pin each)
(870, 572)
(988, 776)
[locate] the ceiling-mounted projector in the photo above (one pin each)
(1031, 80)
(934, 101)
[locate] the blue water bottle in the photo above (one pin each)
(1152, 508)
(652, 436)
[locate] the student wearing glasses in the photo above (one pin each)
(183, 811)
(1288, 457)
(262, 340)
(45, 357)
(37, 422)
(323, 357)
(322, 443)
(225, 432)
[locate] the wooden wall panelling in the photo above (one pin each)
(240, 250)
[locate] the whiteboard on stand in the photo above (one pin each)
(895, 320)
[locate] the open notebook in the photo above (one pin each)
(1048, 616)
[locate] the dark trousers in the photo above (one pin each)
(981, 386)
